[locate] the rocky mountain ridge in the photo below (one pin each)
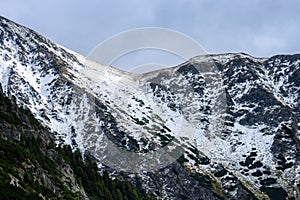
(230, 122)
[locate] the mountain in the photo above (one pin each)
(215, 127)
(33, 168)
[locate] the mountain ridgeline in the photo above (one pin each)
(215, 127)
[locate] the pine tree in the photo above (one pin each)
(119, 195)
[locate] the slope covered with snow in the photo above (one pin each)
(215, 126)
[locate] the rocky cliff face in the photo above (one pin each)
(217, 126)
(30, 166)
(33, 168)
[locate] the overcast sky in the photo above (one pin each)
(257, 27)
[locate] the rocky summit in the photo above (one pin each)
(215, 127)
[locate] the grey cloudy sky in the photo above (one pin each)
(257, 27)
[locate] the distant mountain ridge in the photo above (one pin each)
(236, 118)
